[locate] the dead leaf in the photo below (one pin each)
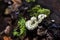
(6, 38)
(7, 11)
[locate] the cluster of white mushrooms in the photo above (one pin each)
(34, 21)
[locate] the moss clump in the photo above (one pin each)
(21, 24)
(22, 29)
(35, 11)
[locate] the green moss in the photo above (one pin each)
(35, 11)
(15, 33)
(30, 1)
(21, 24)
(22, 29)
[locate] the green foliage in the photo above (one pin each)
(35, 11)
(15, 33)
(21, 25)
(44, 11)
(30, 1)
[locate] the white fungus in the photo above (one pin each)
(31, 26)
(41, 17)
(33, 18)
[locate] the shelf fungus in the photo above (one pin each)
(33, 22)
